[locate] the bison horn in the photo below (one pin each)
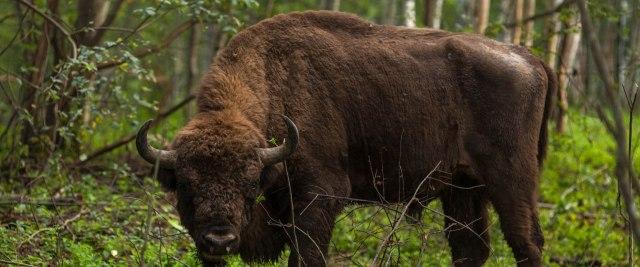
(166, 158)
(273, 155)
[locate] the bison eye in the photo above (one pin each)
(253, 185)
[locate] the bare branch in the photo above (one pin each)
(110, 147)
(404, 211)
(10, 263)
(13, 39)
(152, 49)
(64, 31)
(549, 12)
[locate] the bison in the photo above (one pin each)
(370, 111)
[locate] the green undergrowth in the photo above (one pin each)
(110, 216)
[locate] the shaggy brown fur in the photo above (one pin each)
(377, 107)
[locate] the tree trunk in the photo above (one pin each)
(91, 14)
(634, 43)
(552, 28)
(330, 5)
(192, 65)
(482, 16)
(503, 17)
(390, 12)
(268, 8)
(433, 13)
(622, 68)
(517, 18)
(31, 129)
(467, 11)
(528, 27)
(336, 5)
(410, 13)
(570, 45)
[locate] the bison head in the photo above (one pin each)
(216, 169)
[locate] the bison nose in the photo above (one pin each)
(219, 240)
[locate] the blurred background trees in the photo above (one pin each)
(77, 78)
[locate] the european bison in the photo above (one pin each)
(377, 107)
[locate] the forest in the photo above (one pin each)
(79, 78)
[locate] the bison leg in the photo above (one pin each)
(514, 198)
(313, 235)
(537, 236)
(466, 220)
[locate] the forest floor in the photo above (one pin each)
(115, 217)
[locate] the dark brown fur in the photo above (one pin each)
(377, 107)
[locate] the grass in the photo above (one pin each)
(112, 217)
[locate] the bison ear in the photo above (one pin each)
(167, 179)
(271, 176)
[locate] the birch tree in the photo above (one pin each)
(410, 13)
(570, 44)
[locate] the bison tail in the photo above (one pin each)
(552, 85)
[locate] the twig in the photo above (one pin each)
(549, 12)
(14, 115)
(311, 202)
(75, 217)
(152, 49)
(52, 202)
(147, 225)
(74, 47)
(399, 219)
(463, 225)
(15, 263)
(64, 224)
(116, 29)
(15, 36)
(107, 22)
(110, 147)
(293, 212)
(544, 205)
(6, 17)
(296, 228)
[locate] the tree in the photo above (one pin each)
(552, 27)
(410, 13)
(433, 13)
(503, 17)
(570, 44)
(517, 18)
(467, 12)
(529, 32)
(71, 71)
(192, 65)
(634, 44)
(482, 16)
(330, 5)
(390, 12)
